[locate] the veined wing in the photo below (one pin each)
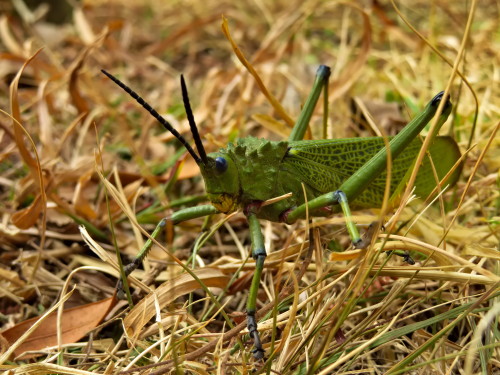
(325, 164)
(444, 153)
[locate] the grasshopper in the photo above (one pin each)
(251, 171)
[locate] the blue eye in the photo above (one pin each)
(220, 164)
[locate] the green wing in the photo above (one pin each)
(444, 153)
(325, 164)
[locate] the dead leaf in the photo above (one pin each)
(345, 255)
(272, 124)
(8, 39)
(83, 27)
(386, 116)
(83, 205)
(75, 324)
(27, 217)
(353, 70)
(274, 102)
(16, 114)
(167, 292)
(76, 96)
(189, 169)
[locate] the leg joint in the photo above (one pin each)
(339, 196)
(259, 254)
(251, 322)
(360, 244)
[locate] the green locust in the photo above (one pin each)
(251, 171)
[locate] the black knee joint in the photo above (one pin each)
(252, 208)
(251, 322)
(437, 99)
(359, 244)
(339, 196)
(259, 253)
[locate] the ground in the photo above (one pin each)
(86, 172)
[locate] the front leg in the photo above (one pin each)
(259, 254)
(176, 217)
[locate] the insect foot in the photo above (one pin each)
(258, 352)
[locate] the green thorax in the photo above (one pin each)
(258, 162)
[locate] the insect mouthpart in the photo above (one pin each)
(225, 203)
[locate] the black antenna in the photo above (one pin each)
(192, 123)
(157, 116)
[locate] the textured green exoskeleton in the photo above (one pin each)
(243, 175)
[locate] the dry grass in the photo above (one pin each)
(102, 163)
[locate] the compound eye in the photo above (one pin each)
(220, 164)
